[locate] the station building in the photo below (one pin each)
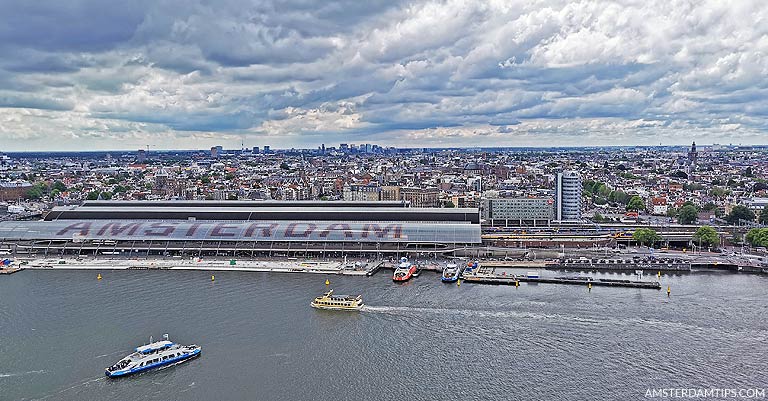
(243, 229)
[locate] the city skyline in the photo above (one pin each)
(402, 74)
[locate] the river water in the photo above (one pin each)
(423, 340)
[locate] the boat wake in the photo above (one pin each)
(21, 373)
(409, 310)
(85, 383)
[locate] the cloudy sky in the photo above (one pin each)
(178, 74)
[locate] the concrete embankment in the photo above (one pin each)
(290, 266)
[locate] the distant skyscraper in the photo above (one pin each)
(141, 156)
(214, 151)
(255, 150)
(266, 149)
(344, 147)
(220, 149)
(322, 148)
(568, 196)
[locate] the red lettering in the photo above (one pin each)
(165, 229)
(343, 227)
(290, 231)
(83, 228)
(116, 228)
(218, 230)
(395, 229)
(266, 229)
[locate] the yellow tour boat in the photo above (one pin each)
(338, 302)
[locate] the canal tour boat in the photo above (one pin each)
(337, 302)
(152, 356)
(404, 270)
(451, 273)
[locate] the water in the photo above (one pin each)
(423, 340)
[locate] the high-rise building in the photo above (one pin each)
(214, 151)
(267, 149)
(141, 156)
(568, 196)
(255, 150)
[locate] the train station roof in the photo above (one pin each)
(295, 213)
(245, 231)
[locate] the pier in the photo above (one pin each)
(488, 275)
(577, 280)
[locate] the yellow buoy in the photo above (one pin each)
(589, 287)
(517, 283)
(669, 289)
(327, 282)
(98, 277)
(658, 274)
(213, 277)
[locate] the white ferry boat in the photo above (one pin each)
(153, 355)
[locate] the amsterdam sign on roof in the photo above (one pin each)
(240, 231)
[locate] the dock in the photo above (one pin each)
(579, 280)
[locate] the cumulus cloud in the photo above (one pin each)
(445, 72)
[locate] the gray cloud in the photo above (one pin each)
(409, 73)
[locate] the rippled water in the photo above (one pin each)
(420, 340)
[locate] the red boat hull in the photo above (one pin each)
(405, 277)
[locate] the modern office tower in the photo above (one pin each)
(568, 196)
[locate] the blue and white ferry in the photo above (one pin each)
(153, 355)
(451, 273)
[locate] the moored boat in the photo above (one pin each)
(337, 302)
(451, 273)
(404, 270)
(471, 269)
(152, 356)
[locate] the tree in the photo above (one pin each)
(93, 195)
(763, 219)
(58, 185)
(706, 235)
(106, 195)
(646, 236)
(739, 213)
(687, 214)
(758, 237)
(636, 203)
(450, 204)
